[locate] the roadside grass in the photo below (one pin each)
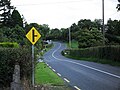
(44, 75)
(97, 60)
(74, 44)
(49, 47)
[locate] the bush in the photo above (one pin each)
(113, 38)
(9, 44)
(8, 58)
(104, 52)
(90, 38)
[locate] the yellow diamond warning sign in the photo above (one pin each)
(33, 35)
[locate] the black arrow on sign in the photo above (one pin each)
(33, 35)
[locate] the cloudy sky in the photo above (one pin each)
(63, 13)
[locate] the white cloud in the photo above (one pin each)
(62, 13)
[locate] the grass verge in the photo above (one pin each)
(97, 60)
(44, 75)
(74, 44)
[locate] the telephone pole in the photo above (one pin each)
(69, 38)
(103, 26)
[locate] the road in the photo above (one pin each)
(82, 75)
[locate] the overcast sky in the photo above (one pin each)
(63, 13)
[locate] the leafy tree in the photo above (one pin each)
(97, 23)
(5, 9)
(16, 18)
(55, 34)
(113, 27)
(85, 24)
(6, 33)
(18, 34)
(64, 34)
(89, 38)
(118, 5)
(29, 26)
(74, 28)
(45, 30)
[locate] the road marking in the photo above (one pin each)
(66, 80)
(83, 64)
(77, 88)
(59, 74)
(54, 70)
(50, 67)
(47, 64)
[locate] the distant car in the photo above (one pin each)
(47, 42)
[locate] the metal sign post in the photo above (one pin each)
(33, 36)
(33, 76)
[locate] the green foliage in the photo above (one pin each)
(29, 26)
(16, 19)
(112, 39)
(9, 44)
(113, 27)
(55, 34)
(8, 58)
(110, 53)
(6, 33)
(16, 34)
(118, 6)
(43, 75)
(85, 24)
(45, 30)
(90, 38)
(5, 15)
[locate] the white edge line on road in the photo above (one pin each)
(54, 70)
(77, 88)
(66, 80)
(84, 65)
(50, 67)
(59, 74)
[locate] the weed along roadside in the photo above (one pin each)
(47, 79)
(105, 55)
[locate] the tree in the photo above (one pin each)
(118, 6)
(44, 29)
(16, 18)
(97, 23)
(64, 34)
(89, 38)
(85, 24)
(113, 27)
(18, 34)
(55, 34)
(5, 15)
(74, 28)
(29, 26)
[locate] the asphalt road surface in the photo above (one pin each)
(82, 75)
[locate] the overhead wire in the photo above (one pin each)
(63, 2)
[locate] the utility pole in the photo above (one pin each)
(69, 38)
(103, 26)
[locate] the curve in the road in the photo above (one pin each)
(113, 75)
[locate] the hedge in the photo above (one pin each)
(8, 58)
(106, 52)
(9, 44)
